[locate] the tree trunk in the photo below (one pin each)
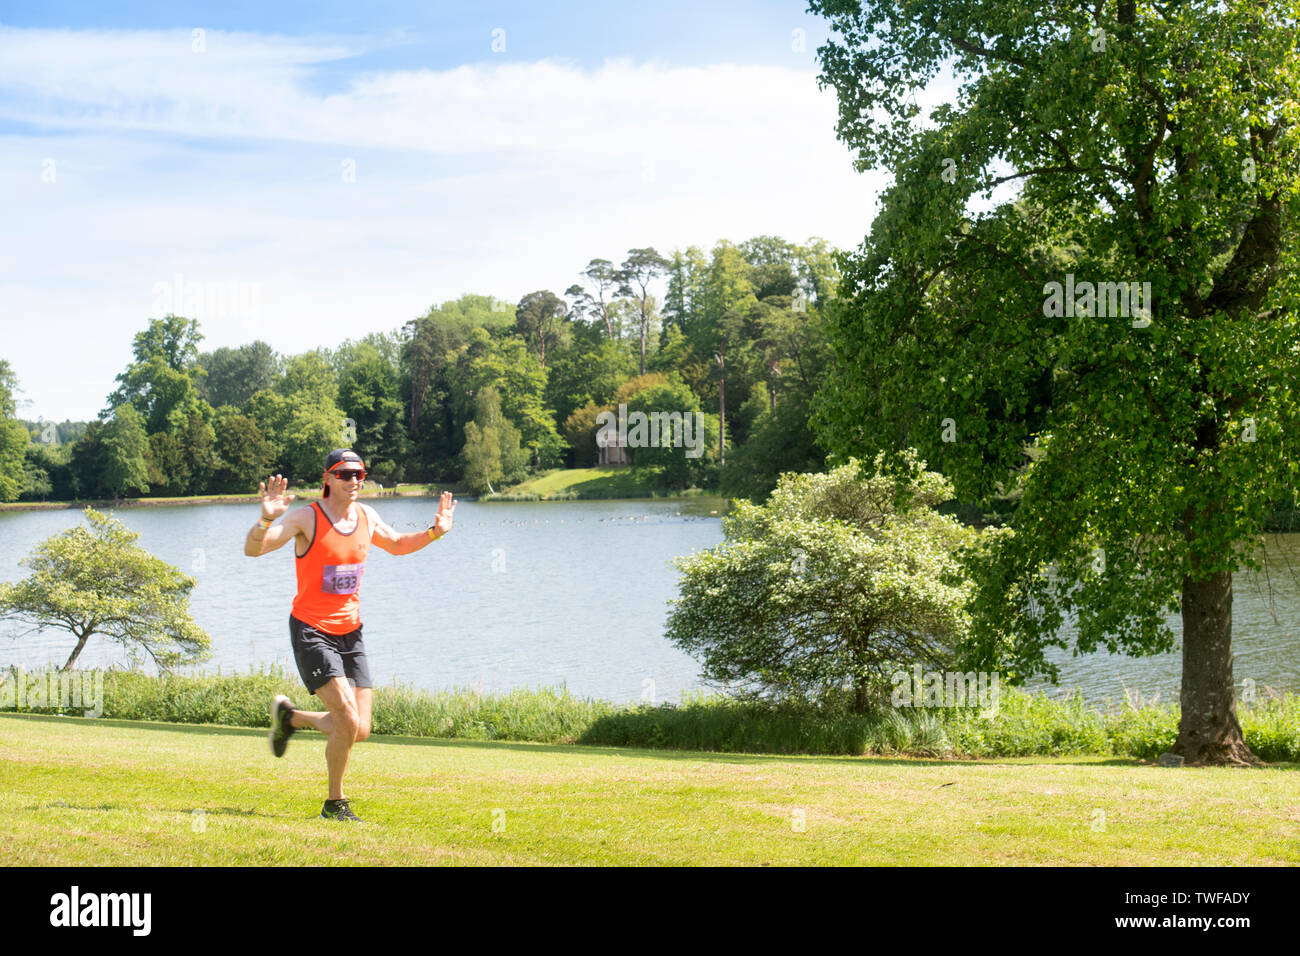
(76, 651)
(722, 405)
(861, 699)
(1208, 731)
(644, 322)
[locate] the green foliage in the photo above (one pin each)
(544, 715)
(1144, 732)
(1030, 724)
(125, 448)
(472, 311)
(161, 383)
(13, 440)
(173, 339)
(302, 427)
(13, 454)
(677, 469)
(1141, 448)
(93, 579)
(1272, 728)
(169, 472)
(481, 457)
(1025, 724)
(492, 452)
(826, 586)
(370, 394)
(411, 392)
(47, 472)
(727, 725)
(508, 365)
(580, 432)
(429, 344)
(37, 485)
(8, 388)
(639, 269)
(780, 441)
(242, 452)
(233, 375)
(580, 376)
(591, 311)
(309, 378)
(540, 318)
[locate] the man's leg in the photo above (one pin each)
(341, 723)
(364, 698)
(320, 719)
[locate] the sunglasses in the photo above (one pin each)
(349, 475)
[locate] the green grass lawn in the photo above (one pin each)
(81, 792)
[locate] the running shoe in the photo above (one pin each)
(281, 728)
(339, 810)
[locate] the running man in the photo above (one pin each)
(331, 540)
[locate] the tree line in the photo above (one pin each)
(476, 391)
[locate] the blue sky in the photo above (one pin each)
(307, 173)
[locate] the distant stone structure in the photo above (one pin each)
(615, 455)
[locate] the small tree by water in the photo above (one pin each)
(828, 586)
(96, 580)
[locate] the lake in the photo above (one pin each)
(533, 594)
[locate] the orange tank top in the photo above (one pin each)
(329, 575)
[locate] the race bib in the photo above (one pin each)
(341, 578)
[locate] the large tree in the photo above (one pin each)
(606, 282)
(728, 302)
(639, 269)
(1115, 349)
(161, 382)
(540, 319)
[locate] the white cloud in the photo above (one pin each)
(497, 177)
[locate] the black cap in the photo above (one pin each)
(343, 454)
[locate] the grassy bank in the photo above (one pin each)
(574, 484)
(92, 793)
(1025, 724)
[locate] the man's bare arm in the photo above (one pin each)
(265, 536)
(391, 541)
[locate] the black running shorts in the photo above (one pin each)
(321, 657)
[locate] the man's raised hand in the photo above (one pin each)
(446, 507)
(274, 501)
